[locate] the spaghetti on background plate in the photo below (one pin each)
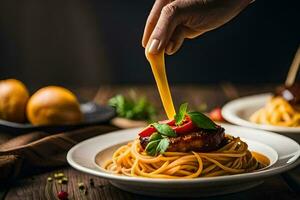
(282, 109)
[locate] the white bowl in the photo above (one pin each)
(282, 152)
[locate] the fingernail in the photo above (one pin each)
(154, 45)
(170, 47)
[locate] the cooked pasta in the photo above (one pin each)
(277, 112)
(233, 158)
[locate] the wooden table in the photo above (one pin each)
(284, 186)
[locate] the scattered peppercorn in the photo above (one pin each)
(92, 182)
(64, 180)
(85, 191)
(81, 186)
(62, 195)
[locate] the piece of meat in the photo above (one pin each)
(290, 93)
(199, 141)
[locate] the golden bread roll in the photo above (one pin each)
(13, 99)
(53, 105)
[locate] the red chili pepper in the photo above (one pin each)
(186, 127)
(150, 129)
(146, 132)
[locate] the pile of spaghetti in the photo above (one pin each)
(283, 109)
(278, 112)
(188, 147)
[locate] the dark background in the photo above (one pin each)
(88, 43)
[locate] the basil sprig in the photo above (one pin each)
(159, 141)
(164, 129)
(202, 121)
(198, 119)
(179, 117)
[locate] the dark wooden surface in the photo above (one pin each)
(284, 186)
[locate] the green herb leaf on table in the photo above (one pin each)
(164, 129)
(133, 108)
(202, 121)
(179, 117)
(162, 145)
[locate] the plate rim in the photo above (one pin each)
(231, 117)
(238, 177)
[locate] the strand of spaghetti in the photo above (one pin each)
(184, 173)
(188, 167)
(148, 159)
(144, 169)
(126, 172)
(175, 154)
(133, 168)
(107, 163)
(181, 160)
(123, 155)
(172, 170)
(148, 167)
(223, 154)
(200, 167)
(236, 163)
(165, 158)
(156, 175)
(161, 169)
(224, 167)
(209, 168)
(216, 173)
(227, 146)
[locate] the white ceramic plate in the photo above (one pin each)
(281, 150)
(239, 111)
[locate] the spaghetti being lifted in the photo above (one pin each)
(189, 146)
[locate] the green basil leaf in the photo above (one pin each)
(162, 145)
(202, 121)
(179, 117)
(155, 136)
(164, 129)
(151, 147)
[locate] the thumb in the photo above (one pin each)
(164, 28)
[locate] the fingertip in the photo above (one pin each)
(173, 51)
(145, 40)
(143, 45)
(169, 48)
(174, 46)
(169, 53)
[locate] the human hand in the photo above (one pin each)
(171, 21)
